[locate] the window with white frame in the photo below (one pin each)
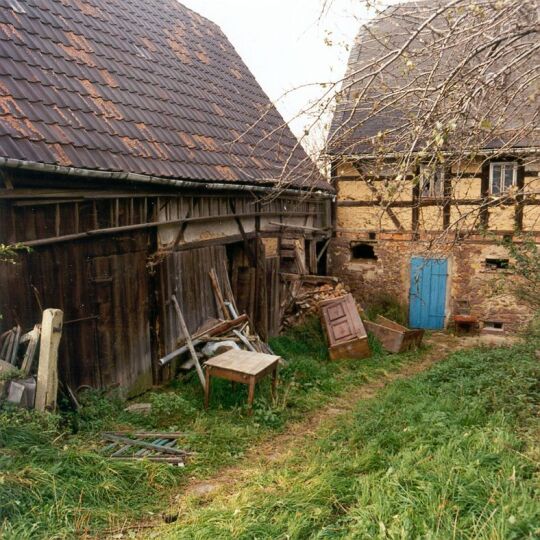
(432, 180)
(502, 176)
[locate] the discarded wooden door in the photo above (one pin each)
(345, 332)
(427, 298)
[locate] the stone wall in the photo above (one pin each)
(487, 290)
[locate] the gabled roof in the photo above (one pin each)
(140, 86)
(386, 105)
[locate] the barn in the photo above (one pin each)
(137, 153)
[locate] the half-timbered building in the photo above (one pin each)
(430, 235)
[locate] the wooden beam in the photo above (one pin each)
(518, 217)
(247, 247)
(189, 343)
(142, 226)
(143, 444)
(300, 227)
(379, 199)
(32, 338)
(323, 250)
(47, 377)
(438, 202)
(218, 295)
(220, 329)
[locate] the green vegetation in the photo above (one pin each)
(525, 264)
(448, 454)
(54, 483)
(386, 305)
(9, 252)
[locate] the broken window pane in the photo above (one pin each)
(508, 176)
(431, 181)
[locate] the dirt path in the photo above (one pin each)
(279, 447)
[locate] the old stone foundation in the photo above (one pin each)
(378, 265)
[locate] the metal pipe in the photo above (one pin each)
(148, 179)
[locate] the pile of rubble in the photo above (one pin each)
(304, 295)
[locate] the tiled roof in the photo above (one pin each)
(368, 108)
(141, 86)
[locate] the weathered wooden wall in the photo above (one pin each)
(186, 275)
(102, 287)
(111, 258)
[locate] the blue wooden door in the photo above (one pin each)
(427, 300)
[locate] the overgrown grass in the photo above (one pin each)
(386, 305)
(449, 454)
(55, 484)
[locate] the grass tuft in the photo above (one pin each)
(447, 454)
(56, 483)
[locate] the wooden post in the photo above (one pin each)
(251, 394)
(207, 388)
(33, 341)
(189, 341)
(47, 378)
(275, 382)
(218, 295)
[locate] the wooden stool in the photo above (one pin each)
(244, 367)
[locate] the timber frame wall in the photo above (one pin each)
(391, 232)
(403, 213)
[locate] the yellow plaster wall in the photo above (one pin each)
(400, 192)
(532, 184)
(469, 168)
(466, 188)
(467, 215)
(531, 218)
(502, 218)
(346, 169)
(374, 218)
(358, 190)
(430, 218)
(354, 190)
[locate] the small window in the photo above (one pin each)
(494, 325)
(497, 264)
(432, 181)
(363, 252)
(372, 236)
(502, 176)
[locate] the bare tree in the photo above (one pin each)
(440, 84)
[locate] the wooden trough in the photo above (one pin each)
(394, 337)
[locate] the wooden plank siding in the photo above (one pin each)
(103, 291)
(98, 255)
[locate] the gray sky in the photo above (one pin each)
(283, 44)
